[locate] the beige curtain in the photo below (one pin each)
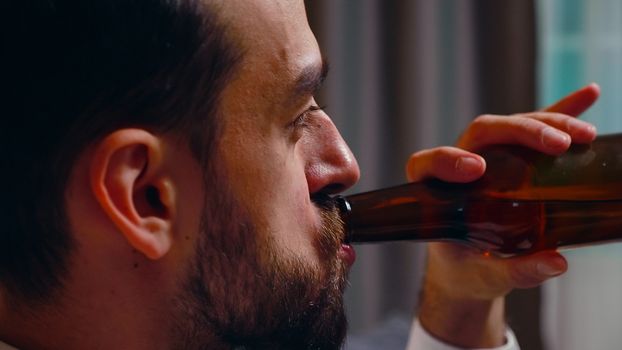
(408, 75)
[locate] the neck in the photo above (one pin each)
(95, 315)
(81, 326)
(101, 312)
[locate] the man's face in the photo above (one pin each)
(271, 263)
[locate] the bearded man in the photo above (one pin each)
(169, 177)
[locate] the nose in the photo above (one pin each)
(331, 166)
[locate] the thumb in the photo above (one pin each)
(531, 270)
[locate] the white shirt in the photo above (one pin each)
(420, 339)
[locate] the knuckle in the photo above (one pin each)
(436, 156)
(415, 167)
(528, 124)
(480, 126)
(561, 116)
(435, 162)
(530, 115)
(417, 156)
(483, 119)
(547, 116)
(554, 117)
(524, 278)
(445, 151)
(410, 164)
(536, 114)
(445, 155)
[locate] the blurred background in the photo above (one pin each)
(409, 75)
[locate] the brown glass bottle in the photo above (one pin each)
(526, 201)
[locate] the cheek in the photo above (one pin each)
(290, 216)
(273, 188)
(296, 224)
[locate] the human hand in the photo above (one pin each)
(461, 282)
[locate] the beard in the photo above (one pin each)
(240, 293)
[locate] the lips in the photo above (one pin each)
(347, 254)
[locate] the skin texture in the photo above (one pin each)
(246, 252)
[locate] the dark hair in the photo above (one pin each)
(73, 71)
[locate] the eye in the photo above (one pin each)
(302, 120)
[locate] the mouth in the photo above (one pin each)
(347, 254)
(333, 232)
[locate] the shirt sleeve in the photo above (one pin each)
(420, 339)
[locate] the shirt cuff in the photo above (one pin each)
(420, 339)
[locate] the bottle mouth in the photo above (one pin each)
(344, 212)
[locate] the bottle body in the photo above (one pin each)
(526, 201)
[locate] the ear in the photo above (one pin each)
(128, 180)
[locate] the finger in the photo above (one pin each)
(531, 270)
(577, 102)
(493, 130)
(446, 163)
(579, 131)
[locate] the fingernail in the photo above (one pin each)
(554, 138)
(552, 267)
(575, 125)
(468, 165)
(591, 130)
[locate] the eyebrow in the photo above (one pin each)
(310, 79)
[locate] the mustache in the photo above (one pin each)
(324, 201)
(332, 233)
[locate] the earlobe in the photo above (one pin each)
(128, 180)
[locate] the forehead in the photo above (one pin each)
(274, 36)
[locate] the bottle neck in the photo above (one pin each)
(414, 212)
(345, 210)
